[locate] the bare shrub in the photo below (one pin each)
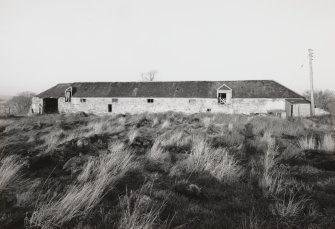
(140, 211)
(215, 161)
(327, 143)
(82, 197)
(9, 170)
(307, 143)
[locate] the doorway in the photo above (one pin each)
(50, 105)
(109, 107)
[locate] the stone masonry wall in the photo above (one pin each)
(36, 106)
(139, 105)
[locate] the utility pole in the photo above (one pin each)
(310, 51)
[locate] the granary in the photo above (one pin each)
(243, 97)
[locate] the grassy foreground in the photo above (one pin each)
(167, 170)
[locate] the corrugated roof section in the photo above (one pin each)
(182, 89)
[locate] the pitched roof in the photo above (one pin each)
(176, 89)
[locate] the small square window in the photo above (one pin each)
(150, 100)
(209, 110)
(115, 100)
(191, 100)
(83, 100)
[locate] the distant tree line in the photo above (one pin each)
(17, 105)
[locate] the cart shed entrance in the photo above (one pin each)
(50, 105)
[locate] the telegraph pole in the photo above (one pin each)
(310, 51)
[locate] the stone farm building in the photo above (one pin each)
(245, 97)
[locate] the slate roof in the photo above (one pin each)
(173, 89)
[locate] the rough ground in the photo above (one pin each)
(167, 170)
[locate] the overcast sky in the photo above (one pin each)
(46, 42)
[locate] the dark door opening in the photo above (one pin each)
(50, 105)
(109, 107)
(222, 98)
(291, 110)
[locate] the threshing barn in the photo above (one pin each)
(243, 97)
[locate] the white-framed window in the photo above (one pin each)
(83, 100)
(150, 100)
(222, 98)
(115, 100)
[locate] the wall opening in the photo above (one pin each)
(291, 110)
(222, 98)
(50, 105)
(68, 94)
(109, 107)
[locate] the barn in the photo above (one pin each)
(243, 97)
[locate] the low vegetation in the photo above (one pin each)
(167, 170)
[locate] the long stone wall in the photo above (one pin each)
(258, 105)
(139, 105)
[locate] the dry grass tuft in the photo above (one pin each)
(82, 197)
(207, 121)
(9, 171)
(155, 122)
(215, 161)
(290, 206)
(132, 135)
(140, 211)
(165, 124)
(271, 181)
(252, 221)
(157, 153)
(307, 143)
(267, 137)
(327, 143)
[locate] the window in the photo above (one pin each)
(150, 100)
(115, 100)
(191, 100)
(109, 107)
(222, 98)
(83, 100)
(209, 110)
